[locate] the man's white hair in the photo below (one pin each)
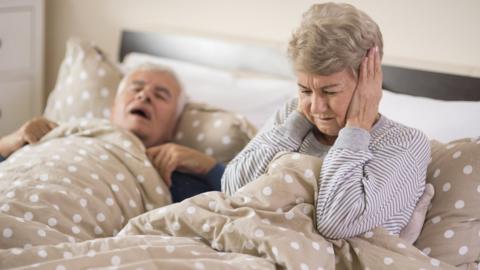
(182, 96)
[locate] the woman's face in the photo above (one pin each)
(324, 100)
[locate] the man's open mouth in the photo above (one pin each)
(141, 112)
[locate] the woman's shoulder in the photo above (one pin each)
(393, 132)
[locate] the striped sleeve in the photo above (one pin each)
(253, 160)
(363, 186)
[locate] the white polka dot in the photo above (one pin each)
(196, 123)
(446, 187)
(289, 215)
(33, 198)
(295, 245)
(206, 227)
(44, 177)
(11, 194)
(97, 230)
(176, 226)
(259, 233)
(120, 176)
(436, 219)
(288, 178)
(435, 262)
(127, 143)
(267, 191)
(330, 250)
(116, 260)
(75, 230)
(159, 190)
(467, 169)
(104, 92)
(83, 75)
(463, 250)
(226, 139)
(209, 151)
(42, 253)
(67, 255)
(308, 173)
(109, 201)
(217, 123)
(100, 217)
(16, 251)
(170, 248)
(179, 135)
(41, 233)
(132, 203)
(72, 169)
(77, 218)
(52, 222)
(28, 216)
(60, 267)
(5, 208)
(316, 245)
(387, 260)
(249, 244)
(200, 137)
(140, 178)
(296, 156)
(191, 210)
(275, 251)
(401, 245)
(459, 204)
(436, 173)
(426, 251)
(199, 266)
(448, 234)
(304, 267)
(85, 95)
(7, 233)
(114, 187)
(212, 205)
(368, 235)
(101, 72)
(91, 253)
(450, 146)
(457, 154)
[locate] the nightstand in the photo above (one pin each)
(21, 62)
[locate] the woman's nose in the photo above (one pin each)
(318, 104)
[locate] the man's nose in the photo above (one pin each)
(144, 95)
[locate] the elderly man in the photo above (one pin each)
(149, 102)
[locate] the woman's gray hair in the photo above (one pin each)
(333, 37)
(182, 96)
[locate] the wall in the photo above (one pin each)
(440, 35)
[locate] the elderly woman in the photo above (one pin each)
(374, 169)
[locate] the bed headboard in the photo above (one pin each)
(268, 59)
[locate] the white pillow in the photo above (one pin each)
(256, 96)
(440, 120)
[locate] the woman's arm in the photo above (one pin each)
(363, 186)
(252, 162)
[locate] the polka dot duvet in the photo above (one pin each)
(268, 224)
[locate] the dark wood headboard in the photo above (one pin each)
(268, 59)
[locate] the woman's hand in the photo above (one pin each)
(363, 108)
(31, 132)
(170, 157)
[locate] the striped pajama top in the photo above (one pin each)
(367, 180)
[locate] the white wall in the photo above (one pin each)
(442, 35)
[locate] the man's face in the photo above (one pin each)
(147, 106)
(325, 99)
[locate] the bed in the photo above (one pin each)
(114, 216)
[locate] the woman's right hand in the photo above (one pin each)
(29, 133)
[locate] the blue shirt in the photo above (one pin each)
(187, 185)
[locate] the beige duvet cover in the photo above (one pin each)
(269, 224)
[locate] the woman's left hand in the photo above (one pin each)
(363, 108)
